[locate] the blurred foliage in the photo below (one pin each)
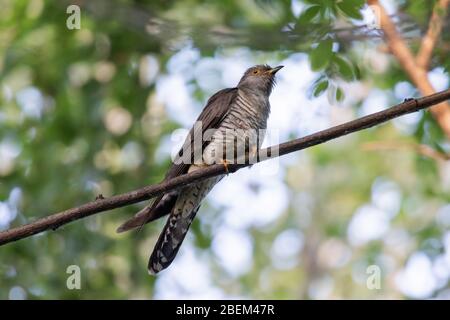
(62, 151)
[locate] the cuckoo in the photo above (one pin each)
(232, 117)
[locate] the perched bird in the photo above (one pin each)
(228, 116)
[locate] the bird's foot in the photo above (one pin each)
(225, 165)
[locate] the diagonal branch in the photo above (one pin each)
(398, 47)
(431, 37)
(56, 220)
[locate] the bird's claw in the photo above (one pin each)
(225, 165)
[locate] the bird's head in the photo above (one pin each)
(260, 78)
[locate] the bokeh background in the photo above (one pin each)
(100, 109)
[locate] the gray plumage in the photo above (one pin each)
(228, 116)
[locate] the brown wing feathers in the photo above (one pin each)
(211, 116)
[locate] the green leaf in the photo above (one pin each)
(356, 71)
(339, 94)
(351, 8)
(345, 69)
(309, 14)
(320, 56)
(320, 88)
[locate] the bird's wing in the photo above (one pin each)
(212, 115)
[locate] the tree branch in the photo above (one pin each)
(56, 220)
(434, 30)
(398, 47)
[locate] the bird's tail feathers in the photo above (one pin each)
(169, 241)
(160, 207)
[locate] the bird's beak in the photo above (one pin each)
(275, 70)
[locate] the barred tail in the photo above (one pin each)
(170, 240)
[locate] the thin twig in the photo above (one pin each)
(56, 220)
(398, 47)
(434, 30)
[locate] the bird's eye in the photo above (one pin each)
(255, 71)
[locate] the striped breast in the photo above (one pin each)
(240, 129)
